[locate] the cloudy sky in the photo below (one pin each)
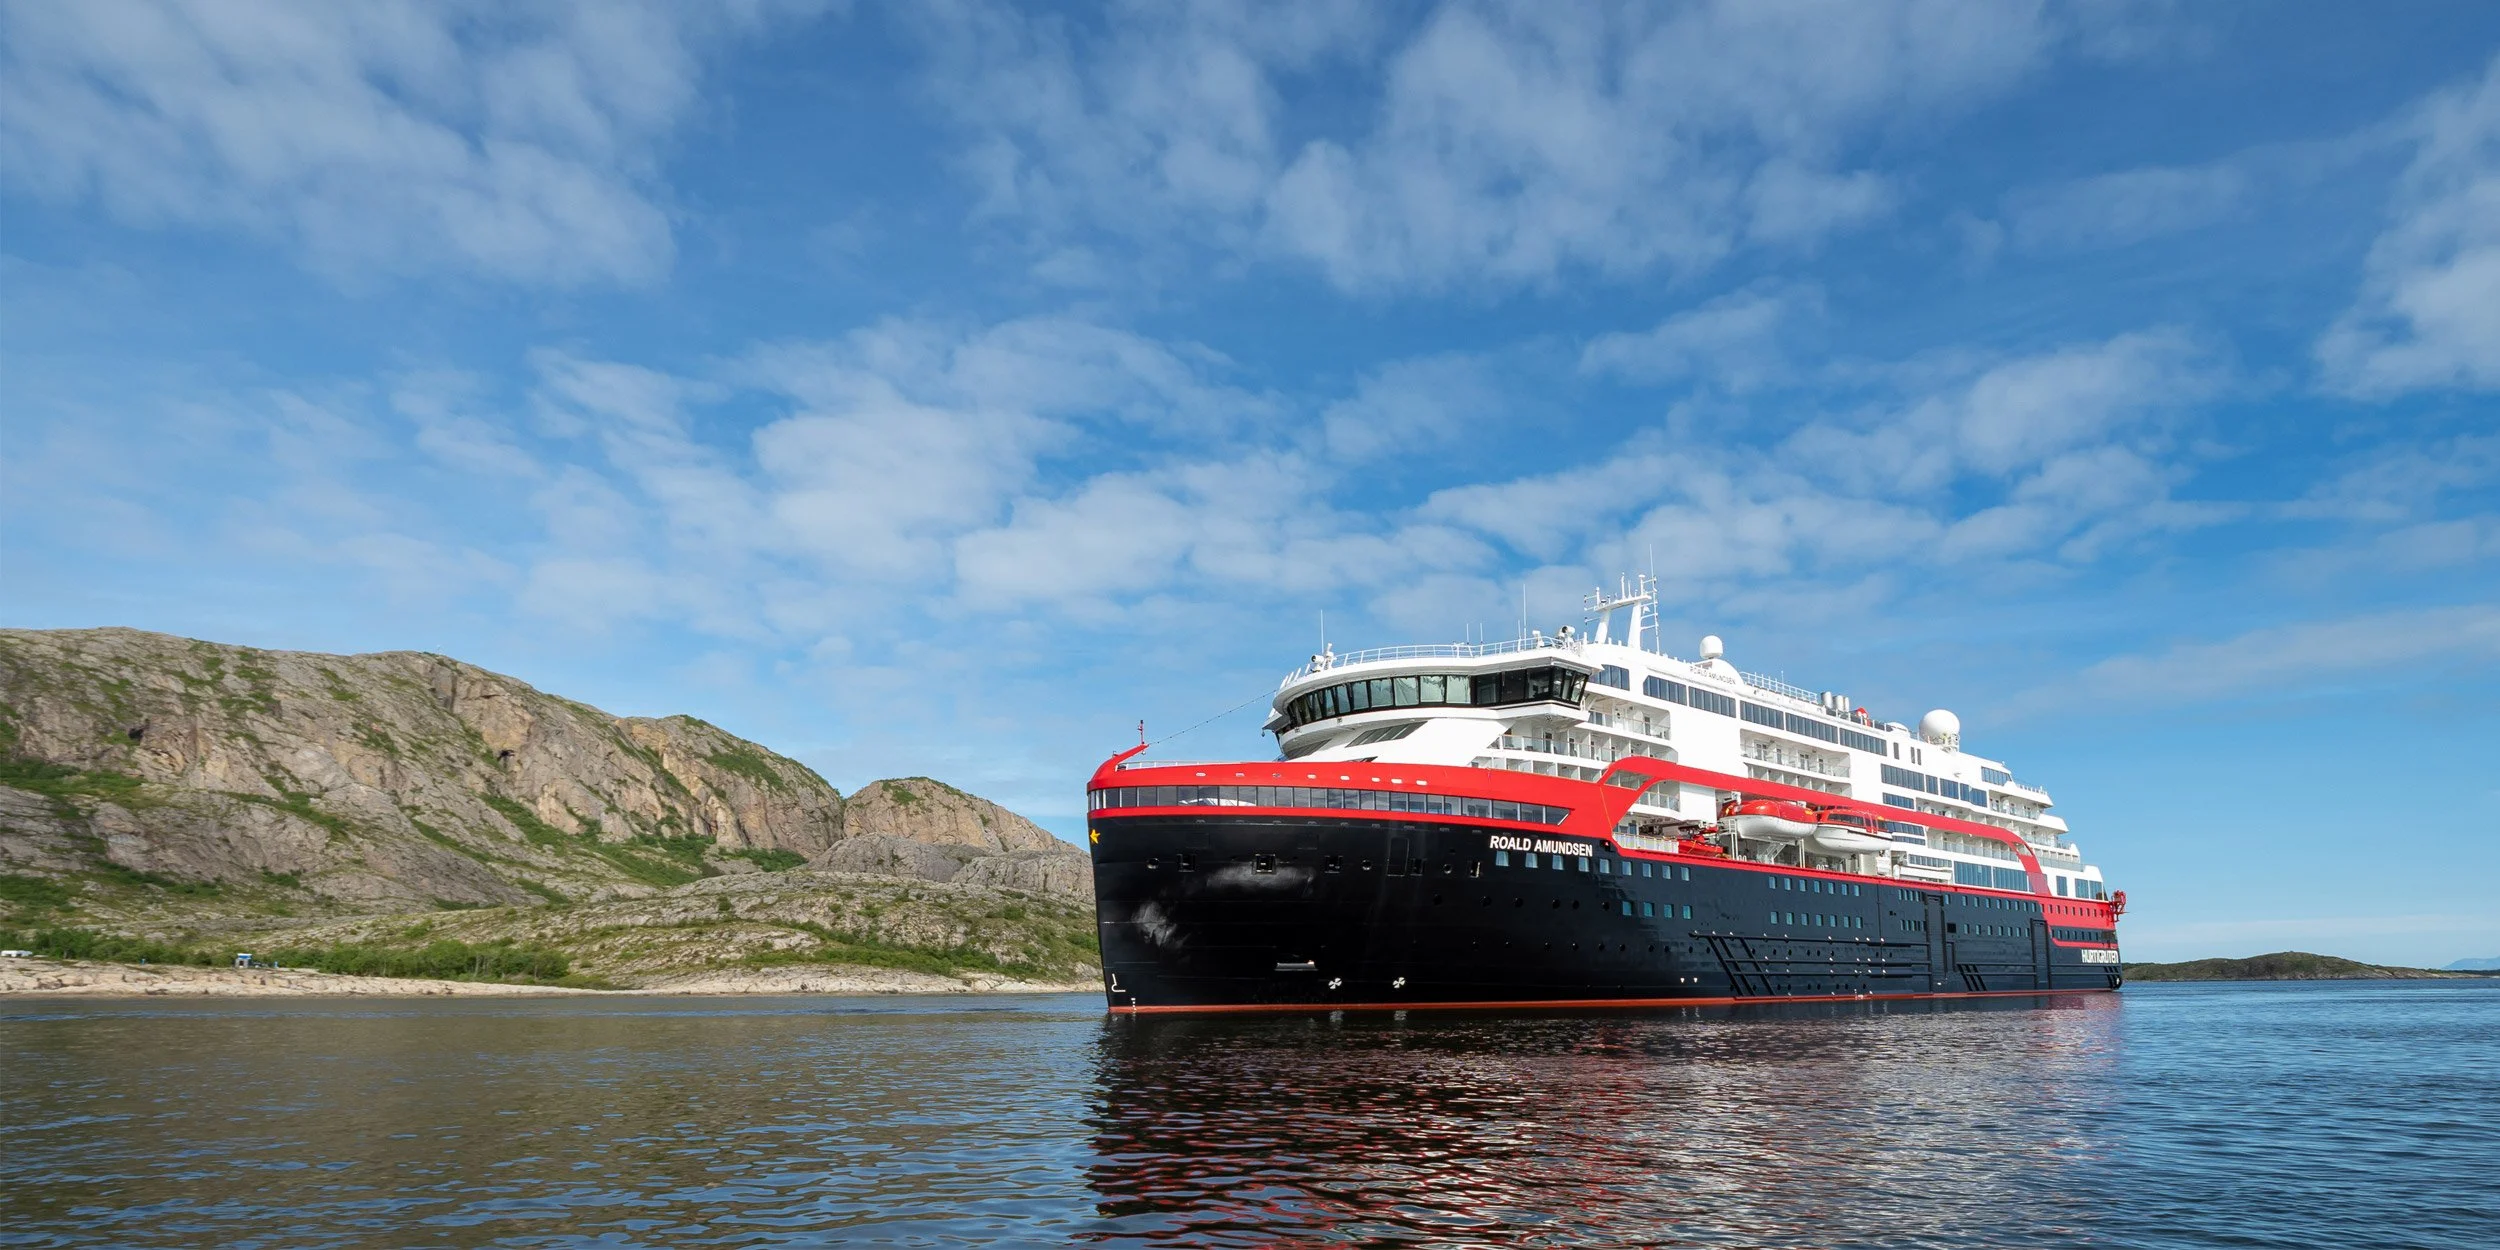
(946, 387)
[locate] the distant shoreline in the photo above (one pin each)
(35, 977)
(2292, 966)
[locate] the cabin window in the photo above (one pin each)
(1584, 863)
(1605, 867)
(1501, 859)
(1556, 861)
(1627, 907)
(1644, 868)
(1614, 675)
(1527, 859)
(1649, 909)
(1688, 911)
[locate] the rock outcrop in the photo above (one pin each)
(403, 780)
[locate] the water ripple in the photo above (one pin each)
(2266, 1115)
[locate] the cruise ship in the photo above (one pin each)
(1578, 819)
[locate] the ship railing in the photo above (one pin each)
(1776, 686)
(1562, 747)
(1644, 842)
(1628, 726)
(1429, 651)
(1799, 763)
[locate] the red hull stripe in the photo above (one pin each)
(1535, 1004)
(1596, 806)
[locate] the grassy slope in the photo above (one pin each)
(2282, 966)
(723, 924)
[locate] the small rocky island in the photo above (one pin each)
(405, 814)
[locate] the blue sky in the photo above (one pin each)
(943, 388)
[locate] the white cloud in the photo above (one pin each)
(2463, 638)
(1407, 405)
(516, 143)
(2429, 309)
(1732, 339)
(2114, 209)
(2012, 417)
(1505, 145)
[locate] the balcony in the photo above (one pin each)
(1621, 725)
(1596, 752)
(1794, 761)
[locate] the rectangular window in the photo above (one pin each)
(2013, 879)
(1556, 861)
(1501, 859)
(1861, 742)
(1684, 874)
(1972, 874)
(1430, 687)
(1644, 868)
(1402, 691)
(1613, 675)
(1584, 863)
(1661, 689)
(1627, 907)
(1649, 909)
(2061, 887)
(1995, 776)
(1760, 715)
(1527, 859)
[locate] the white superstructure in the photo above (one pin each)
(1571, 703)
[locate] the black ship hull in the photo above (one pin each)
(1277, 911)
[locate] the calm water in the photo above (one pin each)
(2254, 1115)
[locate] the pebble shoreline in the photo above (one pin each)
(27, 977)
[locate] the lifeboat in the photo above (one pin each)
(1766, 820)
(1846, 833)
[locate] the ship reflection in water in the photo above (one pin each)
(1803, 1125)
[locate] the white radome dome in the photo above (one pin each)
(1940, 727)
(1711, 647)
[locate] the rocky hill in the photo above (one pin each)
(147, 778)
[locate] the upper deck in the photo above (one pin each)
(1571, 703)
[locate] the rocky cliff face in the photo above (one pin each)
(399, 779)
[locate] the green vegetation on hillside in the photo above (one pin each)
(2280, 966)
(442, 960)
(770, 858)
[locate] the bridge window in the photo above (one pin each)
(1614, 675)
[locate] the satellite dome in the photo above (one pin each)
(1941, 727)
(1711, 647)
